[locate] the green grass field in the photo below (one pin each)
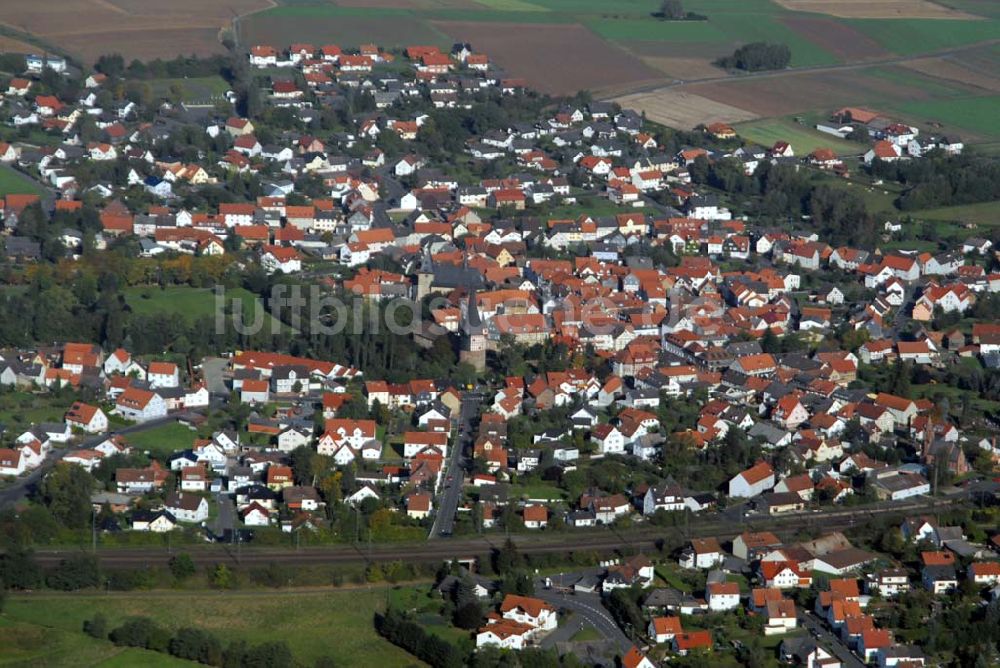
(163, 440)
(910, 36)
(194, 303)
(804, 140)
(513, 5)
(197, 89)
(986, 213)
(335, 623)
(19, 410)
(977, 115)
(25, 644)
(13, 182)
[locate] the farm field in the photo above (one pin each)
(163, 440)
(136, 28)
(804, 140)
(585, 63)
(679, 109)
(952, 69)
(14, 45)
(976, 115)
(313, 623)
(877, 9)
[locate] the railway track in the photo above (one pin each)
(600, 540)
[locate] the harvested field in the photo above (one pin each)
(954, 70)
(408, 4)
(679, 109)
(12, 45)
(347, 31)
(836, 37)
(144, 44)
(795, 93)
(553, 58)
(876, 9)
(684, 68)
(135, 28)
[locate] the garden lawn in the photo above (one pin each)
(538, 491)
(163, 440)
(330, 622)
(195, 89)
(25, 408)
(13, 182)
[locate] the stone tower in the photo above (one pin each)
(425, 275)
(473, 350)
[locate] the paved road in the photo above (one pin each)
(225, 522)
(589, 608)
(20, 489)
(825, 637)
(451, 493)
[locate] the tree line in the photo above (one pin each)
(757, 56)
(943, 180)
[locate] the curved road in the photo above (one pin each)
(18, 491)
(590, 609)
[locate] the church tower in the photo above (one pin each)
(425, 275)
(473, 349)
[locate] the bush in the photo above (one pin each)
(75, 573)
(19, 570)
(268, 655)
(141, 632)
(96, 627)
(196, 645)
(181, 566)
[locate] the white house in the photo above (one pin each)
(527, 610)
(140, 405)
(11, 462)
(186, 507)
(85, 417)
(723, 596)
(163, 374)
(754, 481)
